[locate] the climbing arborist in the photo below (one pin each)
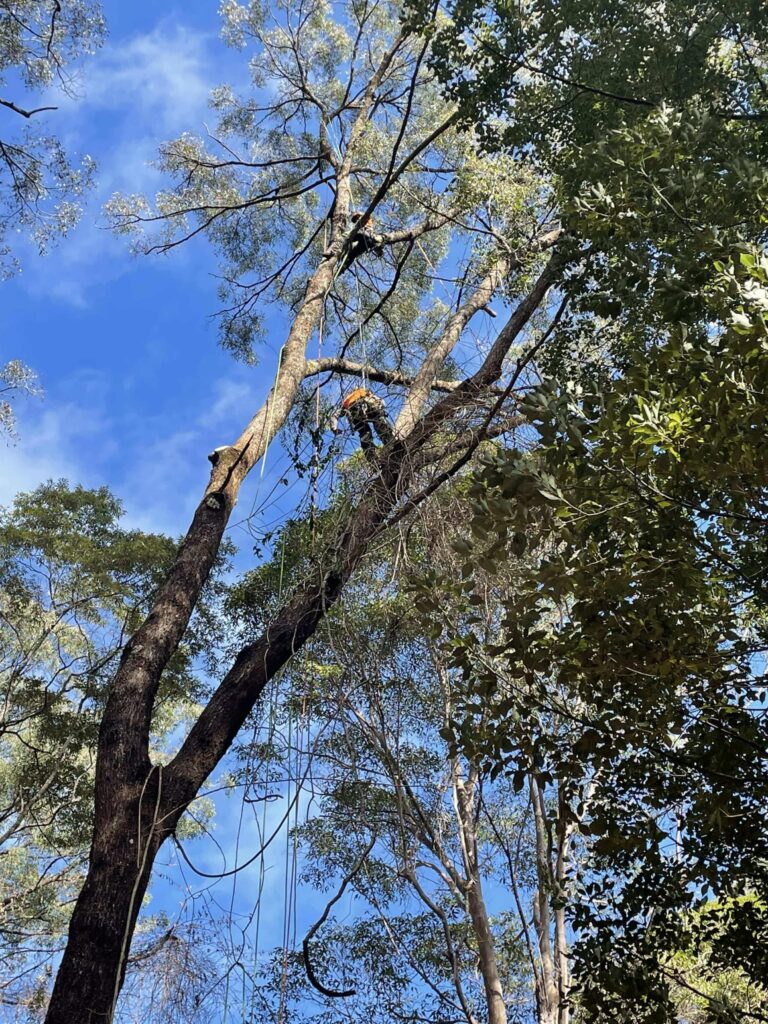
(366, 240)
(364, 410)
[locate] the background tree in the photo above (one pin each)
(73, 583)
(654, 125)
(444, 884)
(41, 43)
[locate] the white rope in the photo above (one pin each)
(360, 330)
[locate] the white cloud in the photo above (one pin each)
(53, 444)
(155, 466)
(160, 79)
(135, 94)
(233, 401)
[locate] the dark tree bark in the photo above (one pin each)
(138, 805)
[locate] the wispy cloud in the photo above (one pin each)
(53, 442)
(159, 80)
(154, 464)
(135, 94)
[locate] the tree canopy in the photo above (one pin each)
(500, 676)
(41, 43)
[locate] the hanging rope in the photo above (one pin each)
(360, 329)
(314, 980)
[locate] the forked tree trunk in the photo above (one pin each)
(137, 805)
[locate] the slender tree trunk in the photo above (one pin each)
(561, 937)
(542, 916)
(419, 392)
(489, 969)
(494, 993)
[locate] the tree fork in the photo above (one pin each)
(135, 800)
(108, 903)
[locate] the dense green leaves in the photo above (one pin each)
(640, 514)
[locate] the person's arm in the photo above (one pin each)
(333, 422)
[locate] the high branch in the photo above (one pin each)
(379, 148)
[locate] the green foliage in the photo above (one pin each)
(638, 515)
(649, 126)
(15, 379)
(706, 988)
(640, 522)
(593, 66)
(261, 187)
(41, 41)
(73, 585)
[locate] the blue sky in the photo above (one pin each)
(136, 389)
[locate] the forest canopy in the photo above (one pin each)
(444, 698)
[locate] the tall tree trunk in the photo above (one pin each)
(126, 841)
(464, 796)
(102, 923)
(138, 805)
(561, 938)
(549, 995)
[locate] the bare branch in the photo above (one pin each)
(349, 368)
(22, 111)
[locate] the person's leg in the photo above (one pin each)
(376, 415)
(358, 420)
(365, 434)
(382, 426)
(358, 248)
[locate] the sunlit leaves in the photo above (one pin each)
(41, 44)
(16, 380)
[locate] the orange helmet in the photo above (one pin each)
(354, 396)
(358, 216)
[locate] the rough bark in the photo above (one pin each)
(124, 848)
(137, 806)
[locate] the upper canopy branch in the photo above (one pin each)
(20, 110)
(350, 368)
(221, 719)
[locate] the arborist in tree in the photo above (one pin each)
(364, 410)
(366, 240)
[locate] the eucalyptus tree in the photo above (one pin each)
(457, 874)
(16, 380)
(73, 583)
(342, 116)
(42, 42)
